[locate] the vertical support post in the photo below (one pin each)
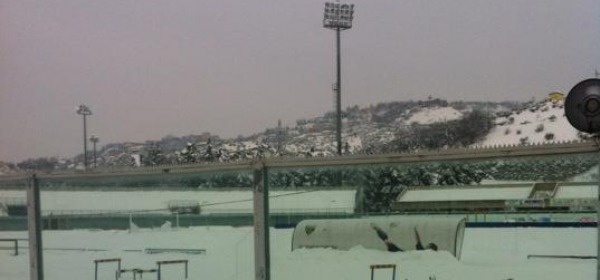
(158, 271)
(338, 95)
(16, 247)
(84, 143)
(598, 216)
(261, 223)
(186, 269)
(130, 221)
(34, 223)
(94, 154)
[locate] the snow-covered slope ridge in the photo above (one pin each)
(435, 114)
(539, 123)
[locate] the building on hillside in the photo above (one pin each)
(556, 96)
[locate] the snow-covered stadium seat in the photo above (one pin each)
(342, 234)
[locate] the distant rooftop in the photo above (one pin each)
(522, 191)
(445, 193)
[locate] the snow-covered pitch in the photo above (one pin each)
(494, 254)
(490, 253)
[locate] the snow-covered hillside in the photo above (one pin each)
(384, 128)
(540, 123)
(435, 114)
(7, 168)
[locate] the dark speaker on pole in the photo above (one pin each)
(582, 106)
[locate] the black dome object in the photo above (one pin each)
(582, 106)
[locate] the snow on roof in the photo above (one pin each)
(466, 194)
(577, 191)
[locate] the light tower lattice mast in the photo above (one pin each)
(338, 17)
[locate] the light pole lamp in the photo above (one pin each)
(84, 111)
(338, 17)
(94, 139)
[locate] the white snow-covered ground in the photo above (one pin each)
(211, 201)
(494, 254)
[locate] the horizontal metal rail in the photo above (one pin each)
(560, 257)
(174, 250)
(465, 154)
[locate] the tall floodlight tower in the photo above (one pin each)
(84, 111)
(338, 17)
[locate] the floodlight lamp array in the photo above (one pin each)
(83, 110)
(338, 16)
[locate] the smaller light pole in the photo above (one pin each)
(84, 111)
(94, 139)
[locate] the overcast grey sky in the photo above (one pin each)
(152, 68)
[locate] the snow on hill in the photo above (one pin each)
(543, 122)
(375, 129)
(434, 114)
(8, 169)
